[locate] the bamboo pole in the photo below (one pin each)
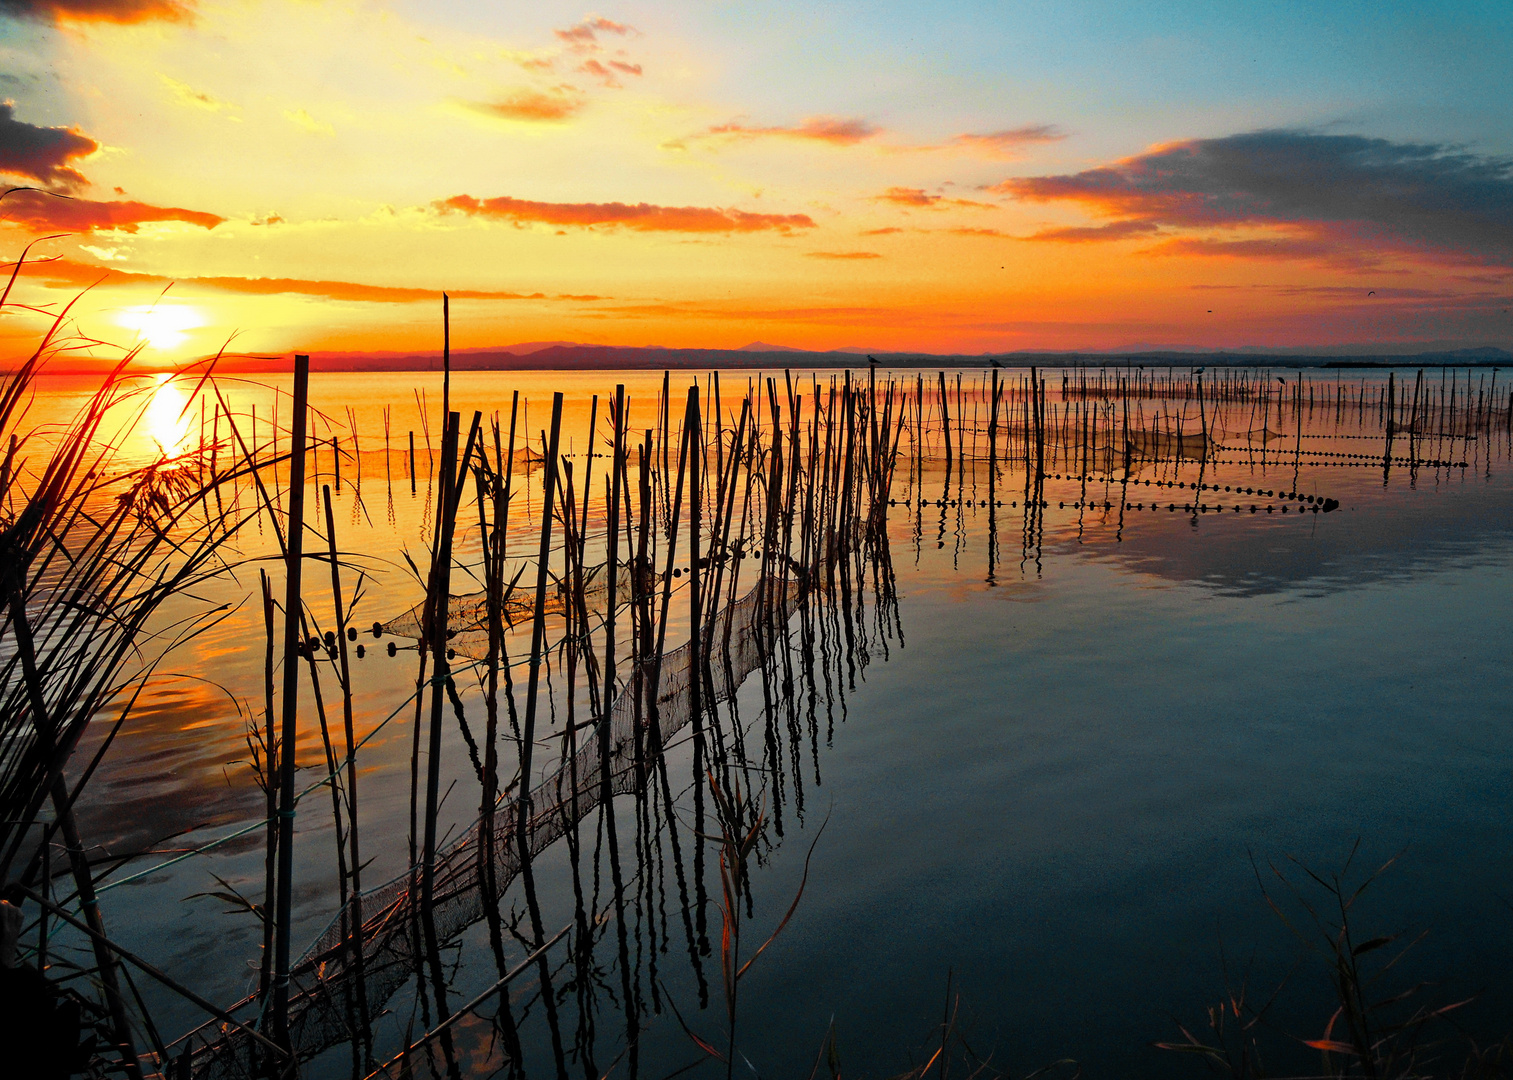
(284, 909)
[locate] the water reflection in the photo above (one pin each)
(166, 422)
(1078, 496)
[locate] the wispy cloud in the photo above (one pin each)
(579, 52)
(842, 255)
(831, 130)
(114, 11)
(1084, 234)
(585, 35)
(198, 99)
(39, 212)
(73, 273)
(1270, 248)
(1327, 196)
(302, 119)
(608, 74)
(641, 217)
(41, 153)
(920, 198)
(536, 106)
(838, 315)
(1010, 142)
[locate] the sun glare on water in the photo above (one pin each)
(161, 326)
(165, 421)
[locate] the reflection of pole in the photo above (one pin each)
(283, 911)
(436, 626)
(528, 742)
(355, 942)
(693, 424)
(606, 728)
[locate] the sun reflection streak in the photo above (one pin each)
(165, 421)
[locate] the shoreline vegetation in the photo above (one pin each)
(636, 675)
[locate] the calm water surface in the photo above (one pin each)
(1054, 777)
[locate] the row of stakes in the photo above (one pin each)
(1318, 505)
(1322, 506)
(1398, 433)
(1319, 502)
(1431, 463)
(1369, 463)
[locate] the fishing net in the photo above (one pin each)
(1166, 444)
(1256, 435)
(468, 615)
(326, 1007)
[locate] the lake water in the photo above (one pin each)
(1044, 758)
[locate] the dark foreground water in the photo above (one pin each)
(1054, 770)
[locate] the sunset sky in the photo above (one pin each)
(935, 177)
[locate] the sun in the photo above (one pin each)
(161, 326)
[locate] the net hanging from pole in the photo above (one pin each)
(324, 1003)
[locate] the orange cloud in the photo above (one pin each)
(642, 217)
(39, 212)
(1082, 234)
(1009, 142)
(1269, 248)
(834, 130)
(843, 255)
(919, 197)
(842, 315)
(585, 35)
(115, 11)
(67, 272)
(42, 153)
(536, 106)
(606, 73)
(888, 230)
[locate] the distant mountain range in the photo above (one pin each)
(569, 356)
(574, 356)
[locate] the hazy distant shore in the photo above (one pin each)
(571, 357)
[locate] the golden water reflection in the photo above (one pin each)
(165, 423)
